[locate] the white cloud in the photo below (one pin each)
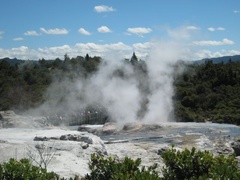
(84, 32)
(103, 8)
(55, 51)
(216, 29)
(233, 52)
(117, 50)
(18, 39)
(183, 32)
(105, 50)
(225, 41)
(31, 33)
(113, 51)
(191, 28)
(104, 29)
(140, 31)
(236, 11)
(145, 45)
(211, 29)
(201, 54)
(22, 52)
(60, 48)
(21, 49)
(142, 49)
(54, 31)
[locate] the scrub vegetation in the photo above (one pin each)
(179, 165)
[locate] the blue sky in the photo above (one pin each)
(35, 29)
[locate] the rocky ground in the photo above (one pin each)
(67, 150)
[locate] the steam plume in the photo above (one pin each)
(129, 96)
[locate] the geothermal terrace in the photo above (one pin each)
(71, 146)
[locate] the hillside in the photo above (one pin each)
(223, 59)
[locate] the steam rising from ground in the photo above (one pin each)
(128, 97)
(164, 56)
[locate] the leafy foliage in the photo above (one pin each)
(188, 164)
(208, 92)
(22, 170)
(112, 168)
(192, 164)
(22, 86)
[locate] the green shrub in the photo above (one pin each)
(112, 168)
(198, 165)
(185, 165)
(24, 170)
(225, 168)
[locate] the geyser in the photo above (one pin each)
(133, 90)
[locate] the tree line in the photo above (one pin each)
(203, 92)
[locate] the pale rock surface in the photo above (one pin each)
(70, 158)
(72, 149)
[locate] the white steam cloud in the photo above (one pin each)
(120, 96)
(124, 96)
(164, 56)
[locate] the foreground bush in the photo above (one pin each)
(185, 165)
(198, 165)
(24, 170)
(112, 168)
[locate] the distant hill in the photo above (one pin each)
(223, 59)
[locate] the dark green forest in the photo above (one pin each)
(209, 92)
(206, 92)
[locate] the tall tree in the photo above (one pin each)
(134, 58)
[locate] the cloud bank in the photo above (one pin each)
(121, 49)
(140, 31)
(225, 41)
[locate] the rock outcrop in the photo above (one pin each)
(85, 140)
